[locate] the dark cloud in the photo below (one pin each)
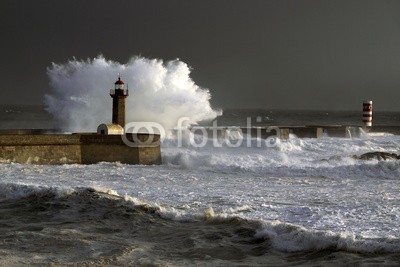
(264, 54)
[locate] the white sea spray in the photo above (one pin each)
(159, 92)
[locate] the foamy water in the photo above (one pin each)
(304, 194)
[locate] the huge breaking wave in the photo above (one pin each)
(159, 92)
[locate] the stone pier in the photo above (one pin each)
(79, 148)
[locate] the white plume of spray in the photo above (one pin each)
(158, 92)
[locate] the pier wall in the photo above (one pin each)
(306, 131)
(386, 129)
(79, 149)
(300, 131)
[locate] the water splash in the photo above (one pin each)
(159, 92)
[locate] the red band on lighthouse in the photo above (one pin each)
(367, 113)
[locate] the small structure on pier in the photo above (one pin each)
(110, 129)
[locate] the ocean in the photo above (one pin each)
(298, 202)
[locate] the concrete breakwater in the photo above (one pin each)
(85, 148)
(306, 131)
(42, 147)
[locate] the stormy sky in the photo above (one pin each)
(248, 53)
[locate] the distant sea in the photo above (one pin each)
(35, 117)
(303, 201)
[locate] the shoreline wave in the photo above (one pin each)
(275, 235)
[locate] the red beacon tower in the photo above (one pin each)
(119, 95)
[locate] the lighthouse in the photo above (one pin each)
(119, 95)
(367, 114)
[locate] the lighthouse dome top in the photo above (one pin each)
(119, 81)
(119, 89)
